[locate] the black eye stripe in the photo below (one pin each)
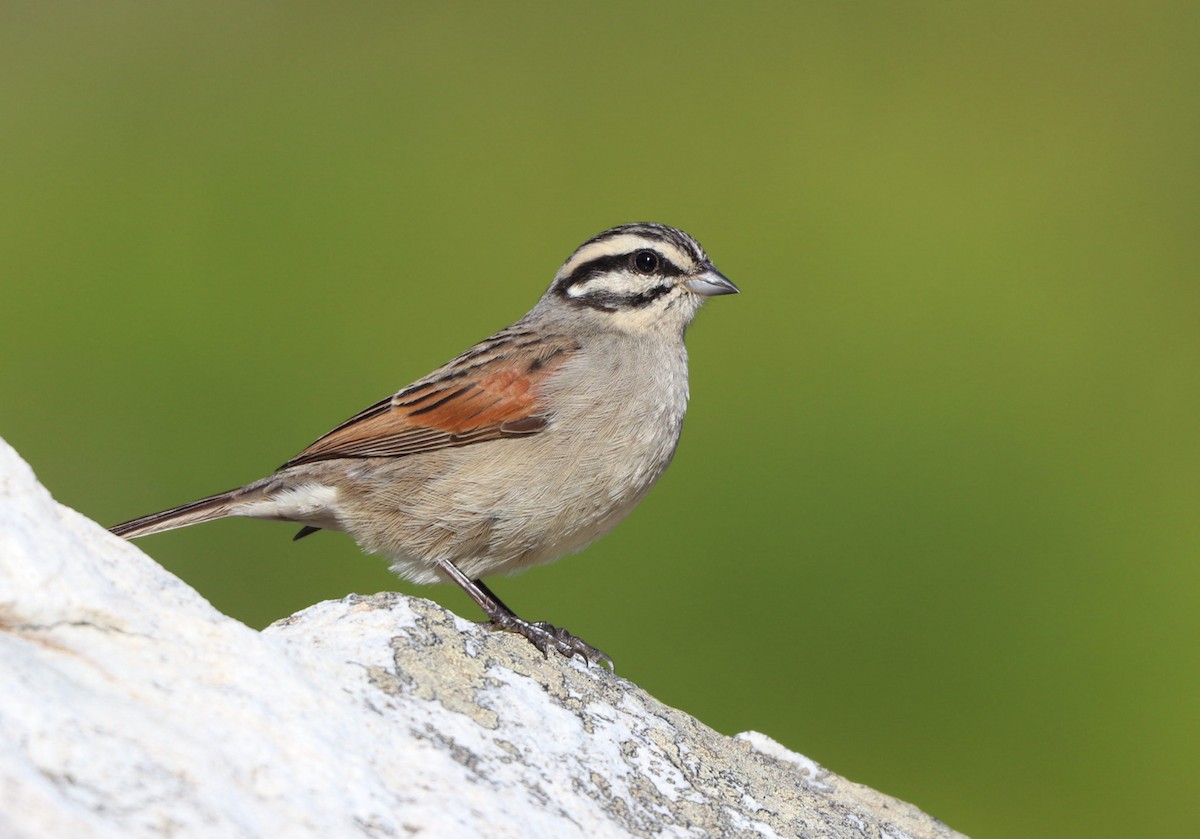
(600, 265)
(605, 264)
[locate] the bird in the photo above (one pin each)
(526, 447)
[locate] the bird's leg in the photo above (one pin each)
(542, 635)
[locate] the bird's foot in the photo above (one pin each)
(546, 636)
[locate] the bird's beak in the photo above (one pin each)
(709, 284)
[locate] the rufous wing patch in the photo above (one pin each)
(476, 397)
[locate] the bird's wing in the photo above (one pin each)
(493, 390)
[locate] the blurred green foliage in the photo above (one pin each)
(933, 520)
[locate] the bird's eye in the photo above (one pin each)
(646, 261)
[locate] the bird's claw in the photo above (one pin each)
(546, 636)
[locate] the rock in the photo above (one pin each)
(133, 708)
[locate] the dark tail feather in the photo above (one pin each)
(206, 509)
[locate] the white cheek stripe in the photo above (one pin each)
(622, 284)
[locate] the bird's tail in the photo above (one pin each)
(206, 509)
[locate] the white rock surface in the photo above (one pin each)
(132, 708)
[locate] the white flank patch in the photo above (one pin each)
(306, 502)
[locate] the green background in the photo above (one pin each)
(933, 521)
